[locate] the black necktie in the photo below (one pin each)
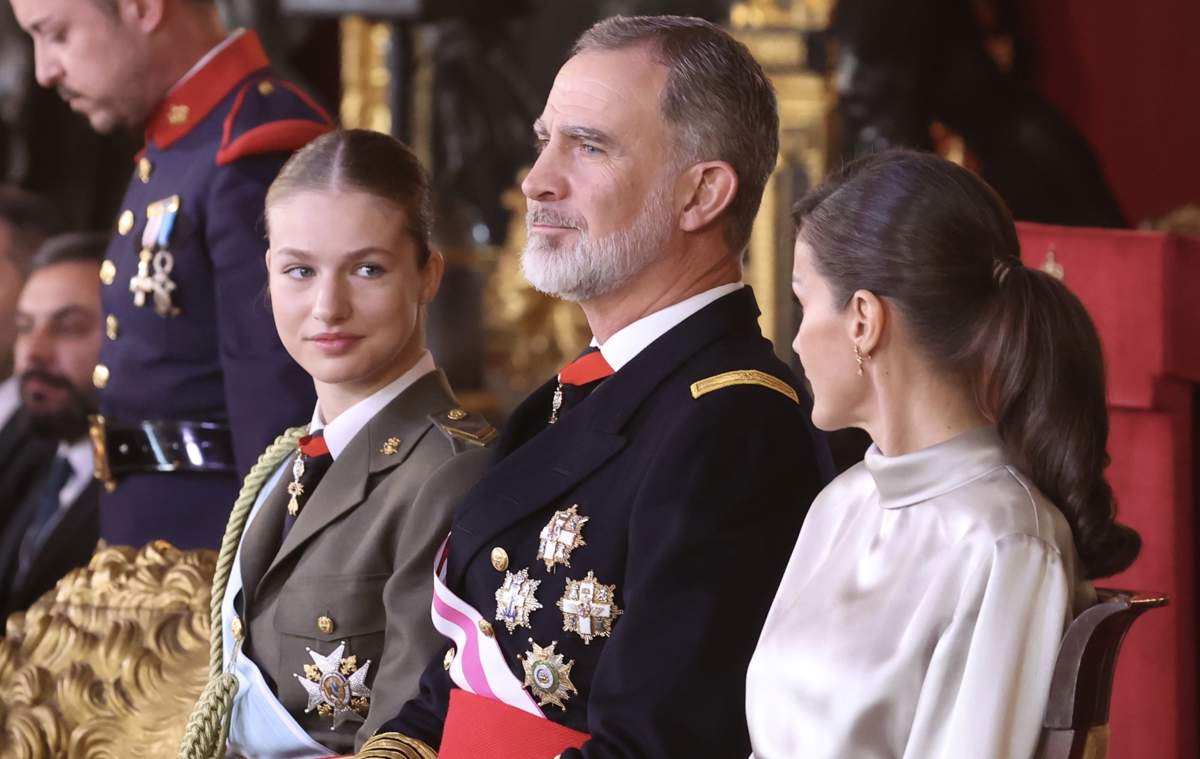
(45, 507)
(313, 460)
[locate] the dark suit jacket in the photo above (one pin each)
(24, 456)
(694, 505)
(67, 542)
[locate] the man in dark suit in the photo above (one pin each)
(193, 380)
(58, 320)
(26, 220)
(604, 584)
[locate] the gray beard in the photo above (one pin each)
(590, 268)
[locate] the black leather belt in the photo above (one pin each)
(159, 445)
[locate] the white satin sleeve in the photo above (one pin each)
(988, 681)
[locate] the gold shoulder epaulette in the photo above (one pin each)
(743, 377)
(466, 426)
(394, 746)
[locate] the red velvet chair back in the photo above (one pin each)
(1076, 721)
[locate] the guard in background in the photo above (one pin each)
(604, 584)
(193, 380)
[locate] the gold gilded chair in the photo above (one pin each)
(1076, 721)
(108, 664)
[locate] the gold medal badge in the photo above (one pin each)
(589, 608)
(561, 535)
(336, 686)
(515, 599)
(547, 676)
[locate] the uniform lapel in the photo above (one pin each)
(345, 484)
(530, 474)
(260, 541)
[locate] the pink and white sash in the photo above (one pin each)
(478, 666)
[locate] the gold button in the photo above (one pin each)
(111, 327)
(108, 272)
(485, 627)
(499, 559)
(325, 625)
(449, 658)
(144, 169)
(265, 88)
(390, 446)
(236, 628)
(125, 223)
(178, 114)
(456, 415)
(100, 376)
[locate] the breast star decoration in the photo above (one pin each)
(547, 676)
(589, 608)
(515, 599)
(336, 686)
(561, 535)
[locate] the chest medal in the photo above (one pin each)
(336, 686)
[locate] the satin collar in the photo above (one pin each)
(930, 472)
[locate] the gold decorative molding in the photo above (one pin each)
(366, 78)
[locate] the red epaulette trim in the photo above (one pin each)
(282, 135)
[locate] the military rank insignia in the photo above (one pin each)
(547, 676)
(562, 535)
(155, 262)
(515, 599)
(336, 686)
(589, 608)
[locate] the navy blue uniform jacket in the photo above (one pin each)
(216, 142)
(694, 505)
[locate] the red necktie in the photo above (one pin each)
(582, 373)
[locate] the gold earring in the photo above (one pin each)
(858, 356)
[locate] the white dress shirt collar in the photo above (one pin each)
(79, 456)
(342, 430)
(10, 399)
(624, 344)
(204, 61)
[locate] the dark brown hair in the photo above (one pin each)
(32, 219)
(371, 162)
(716, 97)
(940, 245)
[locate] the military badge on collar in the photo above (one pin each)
(562, 535)
(515, 599)
(336, 686)
(589, 608)
(547, 676)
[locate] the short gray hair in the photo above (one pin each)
(717, 98)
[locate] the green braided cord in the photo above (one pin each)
(208, 727)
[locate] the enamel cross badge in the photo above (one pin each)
(336, 687)
(561, 535)
(547, 676)
(515, 599)
(589, 608)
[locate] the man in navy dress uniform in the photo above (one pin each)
(604, 584)
(193, 380)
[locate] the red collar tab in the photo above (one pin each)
(314, 445)
(188, 104)
(585, 370)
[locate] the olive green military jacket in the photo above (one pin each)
(357, 566)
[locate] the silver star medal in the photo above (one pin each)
(515, 599)
(336, 686)
(561, 535)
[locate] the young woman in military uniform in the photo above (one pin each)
(326, 569)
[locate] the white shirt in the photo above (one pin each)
(10, 399)
(920, 614)
(79, 456)
(204, 61)
(342, 430)
(621, 347)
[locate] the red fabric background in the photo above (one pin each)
(1126, 74)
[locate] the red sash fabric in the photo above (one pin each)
(585, 370)
(482, 727)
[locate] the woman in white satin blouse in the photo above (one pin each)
(922, 609)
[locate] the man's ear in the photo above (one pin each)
(143, 15)
(707, 188)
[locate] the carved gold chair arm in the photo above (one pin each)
(395, 746)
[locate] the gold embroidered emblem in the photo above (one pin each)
(178, 114)
(547, 676)
(589, 608)
(390, 446)
(515, 599)
(336, 686)
(561, 535)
